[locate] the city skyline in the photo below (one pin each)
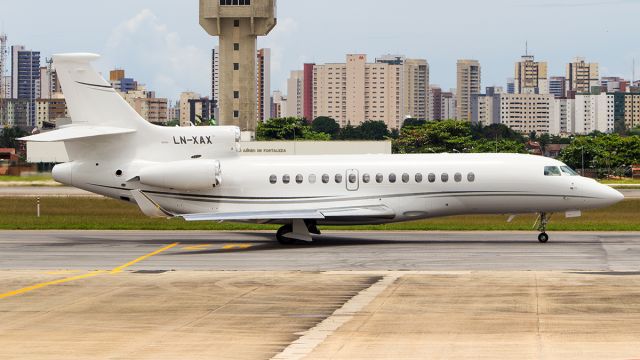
(162, 46)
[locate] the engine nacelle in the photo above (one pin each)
(188, 175)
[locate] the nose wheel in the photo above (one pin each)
(543, 221)
(543, 238)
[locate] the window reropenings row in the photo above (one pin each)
(235, 2)
(379, 178)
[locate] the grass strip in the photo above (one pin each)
(107, 214)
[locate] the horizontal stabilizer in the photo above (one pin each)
(77, 133)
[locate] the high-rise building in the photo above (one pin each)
(582, 76)
(561, 118)
(5, 88)
(469, 79)
(614, 84)
(511, 86)
(147, 105)
(25, 74)
(482, 109)
(435, 96)
(295, 95)
(627, 110)
(449, 105)
(50, 110)
(593, 113)
(531, 76)
(238, 23)
(307, 92)
(121, 83)
(357, 91)
(49, 84)
(5, 91)
(263, 73)
(557, 86)
(278, 104)
(524, 112)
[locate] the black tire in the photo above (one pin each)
(543, 238)
(280, 235)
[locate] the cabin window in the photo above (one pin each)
(379, 178)
(405, 178)
(273, 179)
(471, 177)
(286, 179)
(418, 178)
(392, 178)
(568, 171)
(444, 177)
(299, 179)
(552, 171)
(353, 178)
(457, 177)
(312, 179)
(325, 179)
(432, 178)
(338, 179)
(366, 178)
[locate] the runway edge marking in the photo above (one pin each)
(117, 270)
(315, 336)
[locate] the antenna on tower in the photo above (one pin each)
(526, 48)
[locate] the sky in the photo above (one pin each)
(161, 44)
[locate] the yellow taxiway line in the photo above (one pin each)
(117, 270)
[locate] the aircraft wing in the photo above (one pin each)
(369, 212)
(76, 133)
(152, 209)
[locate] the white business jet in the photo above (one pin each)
(196, 173)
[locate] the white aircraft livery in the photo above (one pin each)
(197, 173)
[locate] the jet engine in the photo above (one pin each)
(189, 175)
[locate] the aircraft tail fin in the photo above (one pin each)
(91, 100)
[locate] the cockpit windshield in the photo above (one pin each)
(568, 171)
(552, 171)
(559, 171)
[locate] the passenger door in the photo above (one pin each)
(353, 180)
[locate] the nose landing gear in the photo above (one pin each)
(542, 222)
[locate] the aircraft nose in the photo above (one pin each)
(611, 195)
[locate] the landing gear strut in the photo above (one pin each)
(542, 227)
(280, 235)
(298, 230)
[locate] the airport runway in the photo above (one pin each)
(341, 251)
(350, 295)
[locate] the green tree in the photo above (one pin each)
(327, 125)
(435, 137)
(495, 132)
(500, 146)
(374, 130)
(349, 132)
(288, 129)
(606, 153)
(413, 122)
(9, 135)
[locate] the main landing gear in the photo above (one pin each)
(298, 230)
(543, 221)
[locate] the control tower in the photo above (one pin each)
(238, 23)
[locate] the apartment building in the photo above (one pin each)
(531, 76)
(524, 112)
(390, 90)
(469, 78)
(582, 76)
